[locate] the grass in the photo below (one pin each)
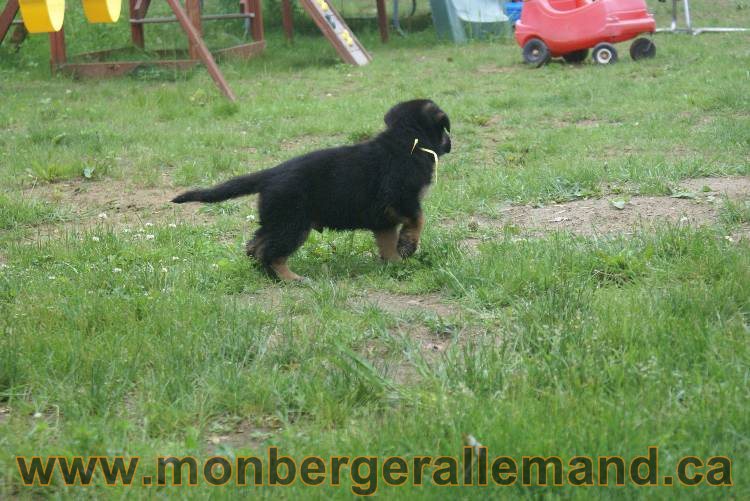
(736, 211)
(160, 338)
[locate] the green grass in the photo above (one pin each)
(16, 213)
(736, 211)
(149, 340)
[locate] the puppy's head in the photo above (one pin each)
(427, 117)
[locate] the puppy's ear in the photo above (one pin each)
(393, 115)
(443, 121)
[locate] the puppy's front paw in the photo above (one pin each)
(250, 248)
(406, 246)
(254, 248)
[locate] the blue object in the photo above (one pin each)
(462, 19)
(513, 11)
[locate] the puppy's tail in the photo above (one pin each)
(235, 187)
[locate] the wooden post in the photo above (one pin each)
(138, 9)
(382, 21)
(200, 47)
(287, 19)
(7, 16)
(57, 49)
(256, 23)
(193, 9)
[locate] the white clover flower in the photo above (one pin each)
(116, 270)
(148, 224)
(95, 239)
(150, 237)
(175, 258)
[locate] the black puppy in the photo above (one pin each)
(375, 185)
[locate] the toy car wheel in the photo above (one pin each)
(642, 48)
(535, 53)
(576, 57)
(604, 53)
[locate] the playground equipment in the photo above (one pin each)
(673, 28)
(481, 17)
(333, 27)
(40, 16)
(569, 28)
(46, 16)
(394, 16)
(102, 11)
(513, 11)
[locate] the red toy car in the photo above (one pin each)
(569, 28)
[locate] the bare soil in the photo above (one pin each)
(431, 341)
(112, 202)
(233, 434)
(697, 202)
(398, 303)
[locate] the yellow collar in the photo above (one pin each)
(426, 150)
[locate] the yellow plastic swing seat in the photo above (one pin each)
(42, 16)
(102, 11)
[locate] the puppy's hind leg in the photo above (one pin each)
(254, 248)
(279, 244)
(387, 240)
(408, 239)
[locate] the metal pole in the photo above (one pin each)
(689, 23)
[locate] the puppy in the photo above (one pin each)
(375, 185)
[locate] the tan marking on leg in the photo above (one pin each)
(408, 239)
(282, 271)
(387, 240)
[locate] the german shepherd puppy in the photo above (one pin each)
(375, 185)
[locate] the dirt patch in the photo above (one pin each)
(733, 187)
(403, 368)
(601, 216)
(231, 433)
(569, 120)
(399, 303)
(270, 298)
(113, 203)
(432, 342)
(697, 202)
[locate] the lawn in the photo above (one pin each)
(582, 287)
